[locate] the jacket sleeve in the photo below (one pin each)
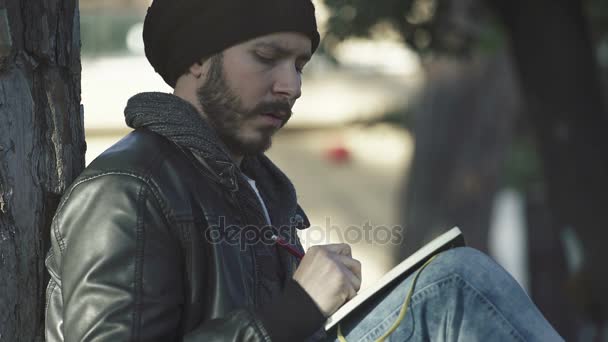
(120, 268)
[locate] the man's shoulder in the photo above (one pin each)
(142, 156)
(141, 152)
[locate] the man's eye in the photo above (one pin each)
(264, 59)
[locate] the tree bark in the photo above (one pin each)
(41, 148)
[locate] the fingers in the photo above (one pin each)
(353, 265)
(337, 248)
(342, 254)
(352, 283)
(330, 275)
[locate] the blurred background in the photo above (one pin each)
(420, 115)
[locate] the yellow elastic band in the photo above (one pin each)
(401, 313)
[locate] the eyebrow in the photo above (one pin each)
(283, 51)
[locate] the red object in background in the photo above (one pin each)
(338, 154)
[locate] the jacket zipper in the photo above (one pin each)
(256, 268)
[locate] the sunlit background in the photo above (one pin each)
(349, 148)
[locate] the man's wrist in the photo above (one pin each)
(293, 315)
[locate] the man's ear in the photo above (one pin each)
(196, 69)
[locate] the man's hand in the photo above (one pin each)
(329, 275)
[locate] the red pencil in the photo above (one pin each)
(289, 248)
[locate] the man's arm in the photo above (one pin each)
(120, 269)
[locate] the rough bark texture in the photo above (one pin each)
(41, 148)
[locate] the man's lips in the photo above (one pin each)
(278, 115)
(276, 120)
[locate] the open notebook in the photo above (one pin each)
(450, 239)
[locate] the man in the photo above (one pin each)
(168, 235)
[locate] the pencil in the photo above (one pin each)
(289, 248)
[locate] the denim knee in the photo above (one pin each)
(463, 257)
(468, 263)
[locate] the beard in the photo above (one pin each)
(226, 113)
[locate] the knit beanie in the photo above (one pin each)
(178, 33)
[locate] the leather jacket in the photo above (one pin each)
(130, 258)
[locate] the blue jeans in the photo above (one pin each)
(462, 295)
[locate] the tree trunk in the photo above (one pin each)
(462, 130)
(41, 148)
(559, 77)
(548, 267)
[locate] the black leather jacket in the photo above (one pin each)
(130, 260)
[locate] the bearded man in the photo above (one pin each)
(168, 235)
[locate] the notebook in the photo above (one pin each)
(450, 239)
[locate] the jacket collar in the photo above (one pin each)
(179, 121)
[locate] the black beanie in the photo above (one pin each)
(178, 33)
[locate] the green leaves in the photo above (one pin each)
(427, 26)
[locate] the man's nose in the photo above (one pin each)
(288, 82)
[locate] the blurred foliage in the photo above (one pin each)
(140, 5)
(105, 32)
(440, 26)
(597, 11)
(523, 166)
(449, 27)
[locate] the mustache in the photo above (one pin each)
(273, 107)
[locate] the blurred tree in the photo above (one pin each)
(559, 76)
(557, 70)
(41, 149)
